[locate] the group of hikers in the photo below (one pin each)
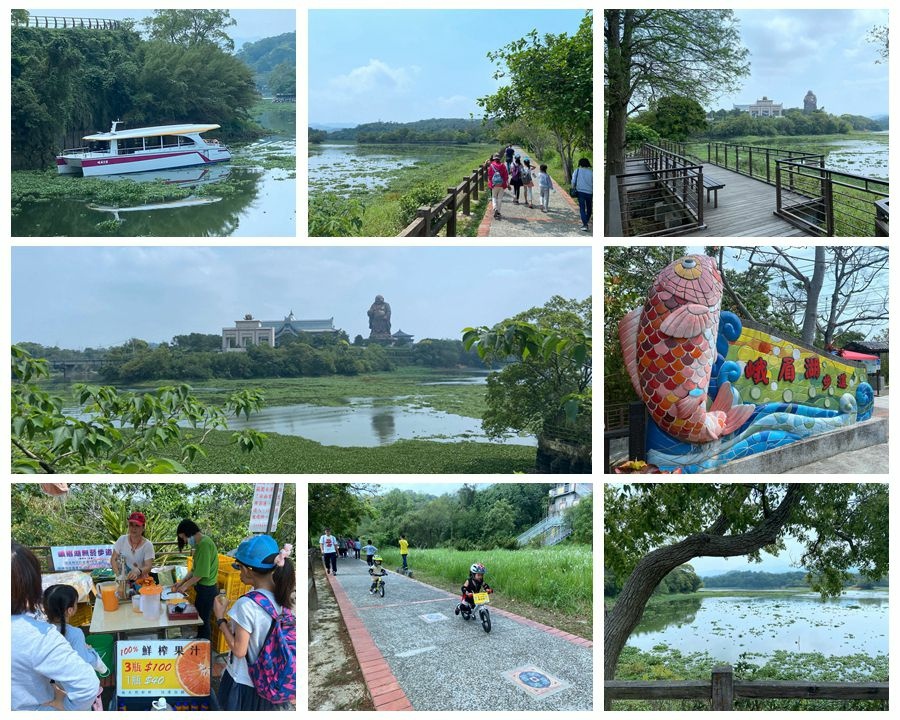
(508, 169)
(333, 547)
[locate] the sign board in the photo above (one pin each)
(263, 497)
(154, 668)
(81, 557)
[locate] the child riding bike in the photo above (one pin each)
(475, 584)
(377, 572)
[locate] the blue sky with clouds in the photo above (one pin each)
(405, 65)
(826, 51)
(154, 293)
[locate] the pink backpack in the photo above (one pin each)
(274, 674)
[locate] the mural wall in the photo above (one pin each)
(718, 389)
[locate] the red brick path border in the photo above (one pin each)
(382, 685)
(380, 680)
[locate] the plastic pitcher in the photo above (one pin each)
(151, 601)
(108, 596)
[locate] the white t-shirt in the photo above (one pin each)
(134, 558)
(328, 543)
(250, 616)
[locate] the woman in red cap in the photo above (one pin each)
(134, 548)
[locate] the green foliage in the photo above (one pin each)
(94, 513)
(665, 663)
(681, 580)
(340, 507)
(550, 84)
(581, 519)
(316, 136)
(452, 131)
(273, 61)
(192, 27)
(551, 383)
(839, 525)
(558, 578)
(423, 196)
(331, 215)
(675, 117)
(636, 134)
(113, 432)
(65, 84)
(793, 122)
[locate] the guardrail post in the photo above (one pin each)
(751, 160)
(466, 193)
(424, 212)
(451, 221)
(829, 204)
(722, 688)
(700, 196)
(777, 186)
(768, 166)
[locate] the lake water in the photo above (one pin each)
(351, 168)
(365, 422)
(262, 203)
(859, 157)
(725, 627)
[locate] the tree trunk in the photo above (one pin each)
(654, 566)
(618, 86)
(812, 297)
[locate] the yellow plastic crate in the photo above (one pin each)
(82, 615)
(231, 583)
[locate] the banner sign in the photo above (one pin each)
(263, 496)
(81, 557)
(154, 668)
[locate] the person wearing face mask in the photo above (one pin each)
(134, 549)
(204, 573)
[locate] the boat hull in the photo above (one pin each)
(94, 164)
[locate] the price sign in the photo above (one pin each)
(81, 557)
(150, 668)
(264, 494)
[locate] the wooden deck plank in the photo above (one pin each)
(746, 207)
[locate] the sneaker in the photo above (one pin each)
(584, 228)
(456, 611)
(531, 206)
(515, 202)
(498, 216)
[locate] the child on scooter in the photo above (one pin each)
(376, 571)
(474, 584)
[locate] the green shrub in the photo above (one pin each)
(428, 194)
(331, 215)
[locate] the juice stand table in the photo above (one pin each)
(124, 621)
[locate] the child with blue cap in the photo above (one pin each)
(260, 619)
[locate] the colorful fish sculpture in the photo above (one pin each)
(669, 347)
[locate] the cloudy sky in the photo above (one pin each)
(826, 51)
(405, 65)
(252, 25)
(154, 293)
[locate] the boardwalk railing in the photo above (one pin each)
(722, 690)
(751, 160)
(829, 203)
(61, 23)
(664, 199)
(430, 219)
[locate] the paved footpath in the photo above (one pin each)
(442, 662)
(561, 220)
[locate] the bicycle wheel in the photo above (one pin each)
(486, 620)
(381, 588)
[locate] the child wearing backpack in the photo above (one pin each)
(261, 673)
(498, 181)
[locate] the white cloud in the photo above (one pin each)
(376, 76)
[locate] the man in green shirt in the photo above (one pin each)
(204, 574)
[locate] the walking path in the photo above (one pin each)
(561, 220)
(415, 654)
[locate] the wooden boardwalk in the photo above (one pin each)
(746, 207)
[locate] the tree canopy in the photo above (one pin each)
(550, 84)
(192, 27)
(650, 54)
(551, 382)
(651, 529)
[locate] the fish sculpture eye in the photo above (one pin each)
(688, 268)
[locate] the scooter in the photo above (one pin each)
(480, 602)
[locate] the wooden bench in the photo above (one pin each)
(714, 186)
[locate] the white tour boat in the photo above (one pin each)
(149, 148)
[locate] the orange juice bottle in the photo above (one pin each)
(108, 596)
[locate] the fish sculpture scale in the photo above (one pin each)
(669, 346)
